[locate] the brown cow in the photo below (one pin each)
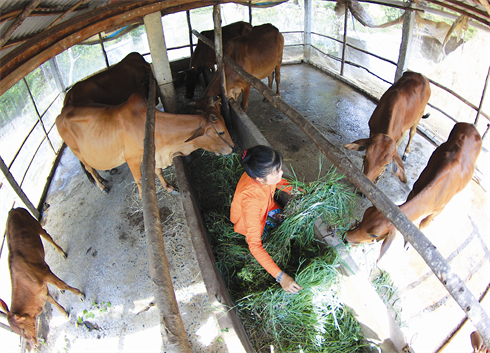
(104, 137)
(400, 108)
(449, 170)
(30, 274)
(259, 53)
(112, 86)
(204, 57)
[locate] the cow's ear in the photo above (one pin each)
(4, 306)
(359, 145)
(19, 319)
(386, 244)
(398, 168)
(197, 133)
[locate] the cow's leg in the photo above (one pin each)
(62, 310)
(135, 168)
(54, 280)
(413, 130)
(245, 94)
(97, 178)
(166, 186)
(270, 80)
(278, 79)
(48, 238)
(404, 133)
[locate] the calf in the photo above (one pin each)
(29, 274)
(259, 53)
(400, 108)
(104, 137)
(449, 170)
(114, 85)
(204, 57)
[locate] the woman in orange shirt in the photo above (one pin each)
(254, 202)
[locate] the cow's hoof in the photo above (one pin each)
(82, 296)
(65, 255)
(404, 158)
(113, 171)
(62, 291)
(106, 189)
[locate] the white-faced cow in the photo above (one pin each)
(259, 53)
(29, 274)
(112, 86)
(103, 137)
(449, 170)
(400, 109)
(204, 57)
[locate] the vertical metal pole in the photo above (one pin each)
(250, 13)
(57, 75)
(160, 62)
(172, 329)
(482, 97)
(218, 45)
(345, 40)
(307, 31)
(406, 44)
(103, 51)
(38, 115)
(190, 31)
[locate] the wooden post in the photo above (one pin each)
(218, 44)
(345, 40)
(441, 269)
(307, 33)
(161, 65)
(406, 44)
(172, 329)
(18, 190)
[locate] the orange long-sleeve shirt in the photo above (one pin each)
(251, 203)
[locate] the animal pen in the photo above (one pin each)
(47, 46)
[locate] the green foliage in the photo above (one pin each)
(313, 319)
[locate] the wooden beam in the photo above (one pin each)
(73, 8)
(17, 189)
(28, 56)
(172, 329)
(18, 21)
(218, 44)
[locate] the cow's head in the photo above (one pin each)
(380, 151)
(212, 135)
(374, 227)
(23, 325)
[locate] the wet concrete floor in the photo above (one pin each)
(428, 315)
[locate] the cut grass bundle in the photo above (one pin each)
(313, 320)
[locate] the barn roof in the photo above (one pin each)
(33, 31)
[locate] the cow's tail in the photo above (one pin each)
(425, 116)
(89, 176)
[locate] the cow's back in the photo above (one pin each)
(258, 52)
(23, 238)
(401, 105)
(451, 166)
(113, 86)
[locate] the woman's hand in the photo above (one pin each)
(289, 285)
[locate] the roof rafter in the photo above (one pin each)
(18, 21)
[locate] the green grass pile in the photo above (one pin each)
(313, 320)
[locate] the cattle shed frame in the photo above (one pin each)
(25, 55)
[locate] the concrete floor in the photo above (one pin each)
(461, 233)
